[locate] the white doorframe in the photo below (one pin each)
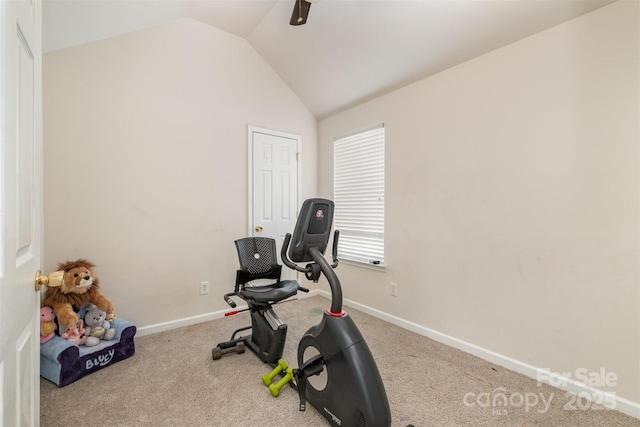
(251, 131)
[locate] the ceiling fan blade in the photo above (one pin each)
(300, 12)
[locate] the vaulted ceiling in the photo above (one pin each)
(349, 51)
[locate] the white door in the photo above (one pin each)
(274, 168)
(20, 210)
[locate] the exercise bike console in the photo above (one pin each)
(337, 373)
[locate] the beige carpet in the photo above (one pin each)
(172, 381)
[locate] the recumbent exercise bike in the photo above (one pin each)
(337, 373)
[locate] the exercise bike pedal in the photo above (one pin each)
(311, 367)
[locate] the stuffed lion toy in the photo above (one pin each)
(78, 288)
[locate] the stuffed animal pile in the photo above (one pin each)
(79, 287)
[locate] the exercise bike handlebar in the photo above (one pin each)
(285, 257)
(336, 235)
(325, 267)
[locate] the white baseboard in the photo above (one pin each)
(610, 400)
(179, 323)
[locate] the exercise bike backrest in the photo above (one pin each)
(309, 243)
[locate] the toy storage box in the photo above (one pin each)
(63, 362)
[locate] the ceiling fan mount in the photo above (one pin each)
(301, 11)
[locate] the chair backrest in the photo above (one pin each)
(258, 260)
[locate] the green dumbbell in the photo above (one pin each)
(275, 388)
(267, 378)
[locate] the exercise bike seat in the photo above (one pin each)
(270, 293)
(258, 264)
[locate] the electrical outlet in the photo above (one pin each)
(204, 288)
(393, 289)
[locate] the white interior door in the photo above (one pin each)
(20, 210)
(274, 188)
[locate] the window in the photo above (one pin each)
(358, 187)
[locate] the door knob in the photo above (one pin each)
(258, 228)
(54, 279)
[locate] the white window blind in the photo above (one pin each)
(359, 195)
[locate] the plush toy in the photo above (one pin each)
(47, 325)
(75, 335)
(79, 287)
(96, 327)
